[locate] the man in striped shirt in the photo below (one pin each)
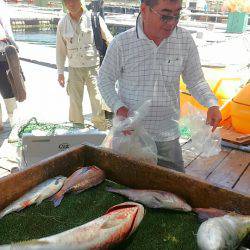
(147, 62)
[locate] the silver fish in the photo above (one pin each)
(36, 195)
(224, 232)
(116, 225)
(154, 198)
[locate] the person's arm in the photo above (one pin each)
(109, 73)
(194, 78)
(106, 35)
(5, 20)
(5, 23)
(61, 52)
(198, 87)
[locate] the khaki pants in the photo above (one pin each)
(78, 77)
(170, 155)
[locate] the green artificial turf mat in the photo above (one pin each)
(160, 229)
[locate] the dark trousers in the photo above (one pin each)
(5, 87)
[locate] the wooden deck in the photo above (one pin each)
(229, 169)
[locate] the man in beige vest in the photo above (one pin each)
(75, 40)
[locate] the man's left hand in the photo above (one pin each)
(5, 40)
(213, 117)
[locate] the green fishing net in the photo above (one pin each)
(47, 128)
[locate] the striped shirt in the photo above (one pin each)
(145, 71)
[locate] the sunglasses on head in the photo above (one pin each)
(166, 18)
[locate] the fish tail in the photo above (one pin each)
(112, 190)
(117, 191)
(2, 215)
(56, 199)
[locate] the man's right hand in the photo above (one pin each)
(122, 113)
(61, 80)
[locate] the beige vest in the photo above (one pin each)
(79, 39)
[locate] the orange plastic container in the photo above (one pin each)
(240, 111)
(224, 88)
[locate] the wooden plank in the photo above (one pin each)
(243, 185)
(229, 171)
(127, 172)
(232, 136)
(202, 167)
(188, 154)
(4, 172)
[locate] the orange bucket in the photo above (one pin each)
(240, 111)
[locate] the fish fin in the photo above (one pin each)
(29, 243)
(57, 200)
(79, 191)
(39, 200)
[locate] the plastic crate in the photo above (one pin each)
(237, 22)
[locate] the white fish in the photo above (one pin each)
(112, 228)
(154, 198)
(224, 232)
(36, 195)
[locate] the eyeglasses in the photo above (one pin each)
(166, 18)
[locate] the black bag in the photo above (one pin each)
(2, 52)
(3, 57)
(100, 43)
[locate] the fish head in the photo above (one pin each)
(85, 170)
(58, 182)
(172, 201)
(96, 170)
(206, 213)
(211, 235)
(128, 210)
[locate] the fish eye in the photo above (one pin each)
(157, 199)
(57, 182)
(85, 169)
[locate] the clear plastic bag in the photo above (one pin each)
(203, 140)
(136, 144)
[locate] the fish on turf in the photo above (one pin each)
(207, 213)
(36, 195)
(80, 180)
(93, 177)
(225, 232)
(116, 225)
(154, 198)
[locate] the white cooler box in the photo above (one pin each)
(37, 148)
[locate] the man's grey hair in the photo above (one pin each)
(152, 3)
